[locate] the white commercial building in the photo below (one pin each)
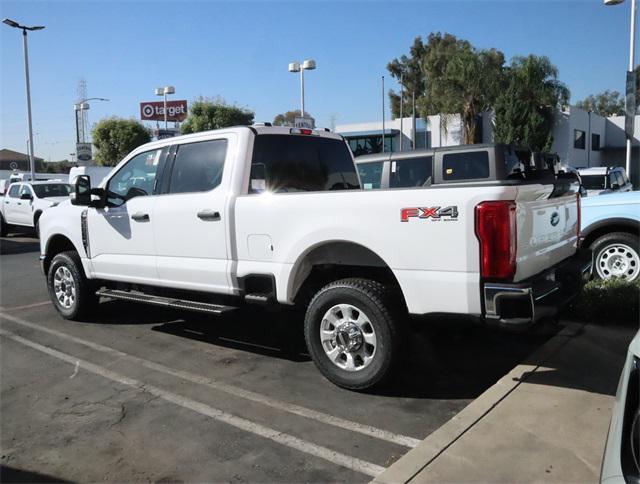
(580, 138)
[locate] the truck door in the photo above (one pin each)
(23, 208)
(10, 204)
(121, 242)
(191, 217)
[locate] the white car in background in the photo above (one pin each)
(24, 203)
(604, 179)
(621, 461)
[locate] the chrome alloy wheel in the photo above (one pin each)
(348, 337)
(618, 260)
(64, 287)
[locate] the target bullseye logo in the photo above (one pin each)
(148, 110)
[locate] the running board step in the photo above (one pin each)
(164, 301)
(258, 298)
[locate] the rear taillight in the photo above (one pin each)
(496, 231)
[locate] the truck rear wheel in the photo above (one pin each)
(352, 333)
(72, 293)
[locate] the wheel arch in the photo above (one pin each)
(335, 259)
(607, 226)
(55, 244)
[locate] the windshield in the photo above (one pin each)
(593, 182)
(52, 190)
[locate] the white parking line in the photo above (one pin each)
(368, 430)
(26, 306)
(338, 458)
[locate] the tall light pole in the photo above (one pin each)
(81, 107)
(632, 48)
(24, 28)
(307, 65)
(163, 91)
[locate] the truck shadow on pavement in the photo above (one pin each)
(444, 359)
(19, 244)
(11, 474)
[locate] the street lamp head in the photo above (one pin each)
(309, 65)
(294, 67)
(159, 91)
(169, 90)
(37, 27)
(11, 23)
(613, 2)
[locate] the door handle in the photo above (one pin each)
(140, 217)
(208, 215)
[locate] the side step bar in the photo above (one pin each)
(164, 301)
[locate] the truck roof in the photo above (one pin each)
(204, 135)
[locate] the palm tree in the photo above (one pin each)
(525, 110)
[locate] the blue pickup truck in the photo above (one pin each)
(610, 227)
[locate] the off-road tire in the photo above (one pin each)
(4, 228)
(376, 301)
(85, 297)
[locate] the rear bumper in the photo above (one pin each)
(520, 304)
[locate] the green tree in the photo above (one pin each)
(606, 103)
(115, 137)
(288, 118)
(449, 75)
(525, 110)
(206, 114)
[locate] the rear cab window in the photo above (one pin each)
(370, 174)
(472, 165)
(301, 163)
(593, 182)
(198, 166)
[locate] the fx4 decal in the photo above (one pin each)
(434, 213)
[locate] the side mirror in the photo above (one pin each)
(81, 195)
(26, 196)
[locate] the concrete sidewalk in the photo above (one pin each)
(546, 420)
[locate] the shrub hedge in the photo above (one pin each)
(607, 302)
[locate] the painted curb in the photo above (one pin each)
(414, 461)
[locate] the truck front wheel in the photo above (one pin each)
(352, 333)
(71, 292)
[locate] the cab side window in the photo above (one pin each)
(135, 179)
(25, 189)
(14, 191)
(198, 166)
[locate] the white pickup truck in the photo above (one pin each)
(275, 215)
(25, 202)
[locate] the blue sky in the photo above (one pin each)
(240, 50)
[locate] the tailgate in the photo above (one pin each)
(547, 229)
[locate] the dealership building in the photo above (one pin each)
(580, 138)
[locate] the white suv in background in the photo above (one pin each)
(24, 203)
(604, 179)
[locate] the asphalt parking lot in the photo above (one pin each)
(139, 393)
